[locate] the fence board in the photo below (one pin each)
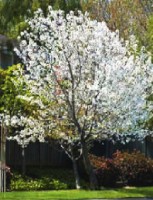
(36, 154)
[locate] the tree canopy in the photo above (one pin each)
(85, 79)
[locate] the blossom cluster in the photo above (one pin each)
(104, 81)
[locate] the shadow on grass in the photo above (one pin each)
(145, 191)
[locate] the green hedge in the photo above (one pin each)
(43, 179)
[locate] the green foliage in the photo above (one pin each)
(9, 89)
(14, 12)
(129, 168)
(11, 86)
(25, 184)
(131, 22)
(43, 179)
(149, 35)
(149, 47)
(64, 175)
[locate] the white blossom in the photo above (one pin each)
(98, 82)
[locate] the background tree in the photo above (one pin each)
(11, 107)
(149, 45)
(14, 12)
(9, 91)
(131, 22)
(149, 34)
(98, 9)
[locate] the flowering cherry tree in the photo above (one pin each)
(88, 83)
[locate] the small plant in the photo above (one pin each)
(41, 184)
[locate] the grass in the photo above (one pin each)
(83, 194)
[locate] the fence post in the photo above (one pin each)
(2, 158)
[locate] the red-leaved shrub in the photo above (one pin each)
(106, 171)
(134, 168)
(128, 168)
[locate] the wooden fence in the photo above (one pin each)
(44, 154)
(36, 154)
(107, 148)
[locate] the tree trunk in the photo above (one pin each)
(2, 158)
(88, 167)
(23, 162)
(76, 174)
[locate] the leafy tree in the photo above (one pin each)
(149, 35)
(149, 46)
(133, 21)
(11, 107)
(14, 12)
(9, 91)
(128, 16)
(98, 9)
(85, 79)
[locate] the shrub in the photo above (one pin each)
(106, 171)
(38, 179)
(128, 168)
(134, 168)
(27, 184)
(63, 175)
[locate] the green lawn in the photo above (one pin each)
(83, 194)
